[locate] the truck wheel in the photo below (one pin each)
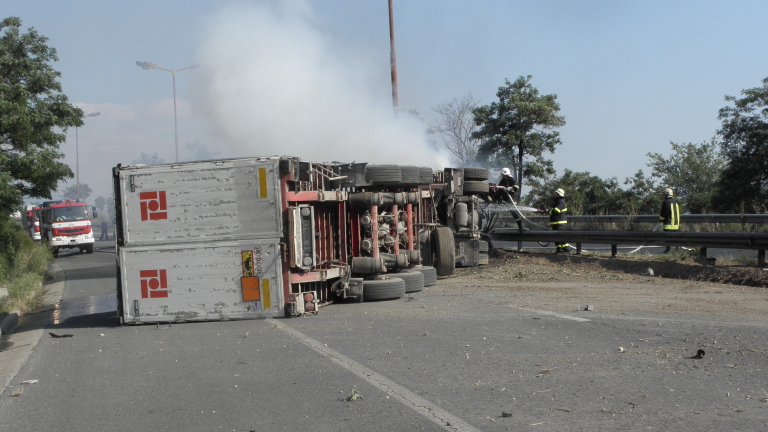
(445, 251)
(383, 289)
(425, 175)
(383, 174)
(409, 175)
(472, 187)
(55, 252)
(414, 280)
(482, 259)
(89, 248)
(474, 173)
(430, 275)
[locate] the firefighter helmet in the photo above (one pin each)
(560, 192)
(668, 192)
(506, 172)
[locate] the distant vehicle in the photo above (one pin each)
(32, 221)
(66, 225)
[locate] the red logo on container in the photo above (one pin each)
(153, 205)
(154, 284)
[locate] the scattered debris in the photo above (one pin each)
(32, 381)
(765, 399)
(621, 349)
(246, 334)
(585, 307)
(54, 335)
(18, 392)
(355, 396)
(699, 355)
(101, 334)
(647, 272)
(506, 414)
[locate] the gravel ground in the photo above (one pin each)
(623, 285)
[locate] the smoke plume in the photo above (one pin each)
(273, 82)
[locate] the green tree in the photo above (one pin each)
(70, 192)
(518, 130)
(146, 159)
(643, 195)
(692, 171)
(585, 194)
(744, 183)
(34, 117)
(100, 202)
(457, 127)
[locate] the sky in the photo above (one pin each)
(311, 78)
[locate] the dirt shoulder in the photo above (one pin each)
(689, 288)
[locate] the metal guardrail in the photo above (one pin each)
(753, 241)
(718, 240)
(684, 218)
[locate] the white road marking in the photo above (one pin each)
(432, 412)
(555, 314)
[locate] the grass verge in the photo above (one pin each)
(23, 268)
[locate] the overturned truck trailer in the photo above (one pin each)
(261, 237)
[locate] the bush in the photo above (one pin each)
(27, 291)
(23, 266)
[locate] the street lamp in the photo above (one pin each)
(147, 66)
(77, 155)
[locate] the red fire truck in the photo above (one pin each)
(32, 221)
(66, 225)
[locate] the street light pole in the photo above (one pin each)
(77, 156)
(146, 66)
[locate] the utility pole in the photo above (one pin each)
(393, 60)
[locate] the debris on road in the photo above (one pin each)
(32, 381)
(506, 414)
(699, 354)
(355, 396)
(621, 349)
(54, 335)
(648, 272)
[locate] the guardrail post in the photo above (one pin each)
(519, 246)
(761, 257)
(614, 251)
(703, 252)
(578, 248)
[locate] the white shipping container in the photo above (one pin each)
(200, 281)
(196, 201)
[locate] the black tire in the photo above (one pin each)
(383, 289)
(444, 249)
(483, 246)
(89, 248)
(430, 275)
(482, 259)
(409, 175)
(55, 252)
(474, 173)
(414, 280)
(472, 187)
(383, 174)
(425, 175)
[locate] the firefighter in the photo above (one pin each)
(669, 216)
(104, 230)
(557, 218)
(510, 192)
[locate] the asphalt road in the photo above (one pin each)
(442, 359)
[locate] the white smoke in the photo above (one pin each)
(273, 83)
